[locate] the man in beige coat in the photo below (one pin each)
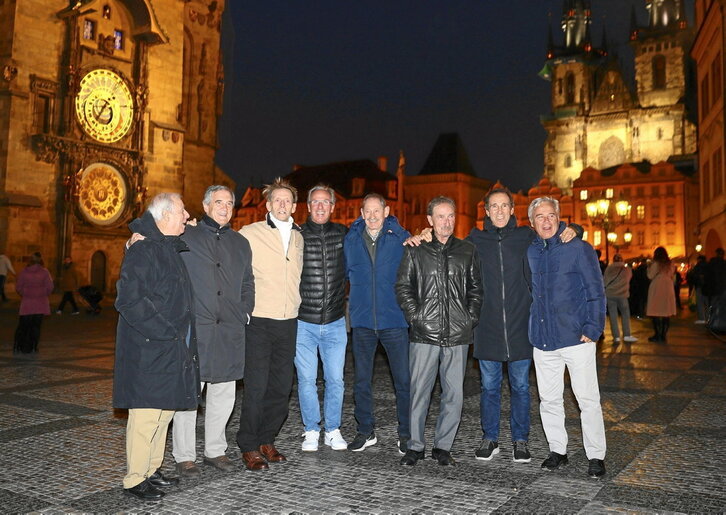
(277, 260)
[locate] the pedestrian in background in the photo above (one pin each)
(696, 278)
(68, 284)
(661, 295)
(617, 290)
(34, 285)
(5, 267)
(639, 289)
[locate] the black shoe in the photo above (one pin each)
(520, 453)
(487, 449)
(554, 461)
(158, 480)
(596, 468)
(145, 491)
(442, 456)
(411, 457)
(402, 445)
(360, 442)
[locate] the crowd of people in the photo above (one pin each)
(203, 306)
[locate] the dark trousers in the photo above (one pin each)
(269, 357)
(28, 333)
(68, 297)
(2, 288)
(395, 343)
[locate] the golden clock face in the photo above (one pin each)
(104, 106)
(102, 194)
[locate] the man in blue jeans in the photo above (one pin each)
(501, 336)
(321, 321)
(373, 250)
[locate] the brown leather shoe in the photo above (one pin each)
(271, 454)
(188, 469)
(254, 461)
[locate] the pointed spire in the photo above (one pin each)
(550, 39)
(682, 20)
(604, 43)
(587, 43)
(633, 24)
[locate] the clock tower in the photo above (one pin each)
(103, 104)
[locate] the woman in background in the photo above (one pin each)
(661, 295)
(34, 285)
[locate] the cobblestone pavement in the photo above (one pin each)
(62, 445)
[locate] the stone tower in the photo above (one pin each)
(103, 104)
(597, 118)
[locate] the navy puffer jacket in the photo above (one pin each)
(568, 295)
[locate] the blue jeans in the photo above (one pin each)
(491, 396)
(330, 340)
(395, 343)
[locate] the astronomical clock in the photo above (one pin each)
(103, 104)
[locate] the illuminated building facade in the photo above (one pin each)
(597, 120)
(103, 104)
(710, 56)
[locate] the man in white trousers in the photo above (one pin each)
(567, 317)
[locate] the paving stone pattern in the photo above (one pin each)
(62, 445)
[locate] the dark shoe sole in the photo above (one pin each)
(142, 498)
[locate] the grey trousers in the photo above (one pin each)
(425, 361)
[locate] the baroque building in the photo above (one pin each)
(103, 104)
(598, 120)
(447, 171)
(710, 56)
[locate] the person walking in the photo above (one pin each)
(617, 290)
(68, 284)
(34, 285)
(661, 295)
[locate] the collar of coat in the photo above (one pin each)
(210, 222)
(552, 241)
(268, 218)
(489, 225)
(146, 226)
(316, 227)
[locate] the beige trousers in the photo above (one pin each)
(145, 442)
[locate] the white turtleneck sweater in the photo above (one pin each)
(285, 229)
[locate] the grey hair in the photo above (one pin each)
(376, 196)
(322, 187)
(538, 202)
(439, 200)
(213, 189)
(161, 203)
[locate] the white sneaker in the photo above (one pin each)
(335, 441)
(630, 339)
(312, 438)
(617, 339)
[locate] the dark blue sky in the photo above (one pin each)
(350, 80)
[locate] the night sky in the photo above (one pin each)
(350, 80)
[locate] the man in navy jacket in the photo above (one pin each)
(373, 249)
(566, 318)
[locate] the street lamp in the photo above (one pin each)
(608, 215)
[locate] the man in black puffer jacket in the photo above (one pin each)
(440, 292)
(321, 321)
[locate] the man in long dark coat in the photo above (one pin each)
(156, 368)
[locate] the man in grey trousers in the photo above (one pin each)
(440, 292)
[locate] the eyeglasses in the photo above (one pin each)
(325, 202)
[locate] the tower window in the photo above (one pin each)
(106, 12)
(118, 39)
(568, 161)
(583, 195)
(89, 29)
(570, 88)
(659, 72)
(640, 212)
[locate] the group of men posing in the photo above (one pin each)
(202, 306)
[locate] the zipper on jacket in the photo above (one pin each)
(373, 275)
(504, 308)
(323, 318)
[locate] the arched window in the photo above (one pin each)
(659, 72)
(570, 88)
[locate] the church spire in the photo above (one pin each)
(633, 24)
(550, 39)
(663, 13)
(575, 23)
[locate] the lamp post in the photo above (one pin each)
(608, 215)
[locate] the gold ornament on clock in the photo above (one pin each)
(104, 106)
(102, 194)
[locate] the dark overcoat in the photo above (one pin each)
(156, 350)
(219, 263)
